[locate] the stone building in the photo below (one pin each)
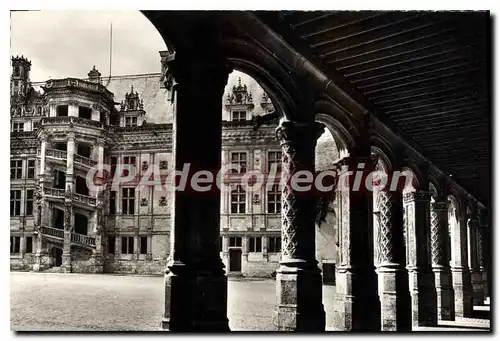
(69, 127)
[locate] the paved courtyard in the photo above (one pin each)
(85, 302)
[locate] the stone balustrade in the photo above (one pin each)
(82, 239)
(56, 153)
(54, 192)
(84, 199)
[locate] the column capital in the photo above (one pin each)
(71, 136)
(419, 195)
(439, 205)
(294, 132)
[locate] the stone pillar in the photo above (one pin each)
(460, 270)
(38, 222)
(440, 263)
(195, 281)
(68, 204)
(244, 249)
(298, 279)
(481, 259)
(421, 277)
(43, 147)
(357, 304)
(476, 276)
(265, 242)
(395, 302)
(73, 109)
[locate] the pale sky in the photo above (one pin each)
(64, 44)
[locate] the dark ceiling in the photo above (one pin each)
(427, 72)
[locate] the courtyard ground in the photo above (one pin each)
(86, 302)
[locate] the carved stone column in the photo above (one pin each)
(440, 263)
(68, 204)
(472, 237)
(460, 270)
(298, 279)
(421, 277)
(195, 282)
(481, 258)
(395, 303)
(357, 304)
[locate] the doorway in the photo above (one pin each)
(57, 255)
(235, 260)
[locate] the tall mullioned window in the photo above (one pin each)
(128, 200)
(130, 121)
(127, 245)
(15, 244)
(31, 169)
(238, 200)
(29, 201)
(274, 158)
(274, 200)
(15, 202)
(240, 158)
(112, 202)
(274, 245)
(238, 115)
(255, 244)
(16, 169)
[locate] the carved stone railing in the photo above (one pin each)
(82, 239)
(84, 160)
(54, 192)
(56, 153)
(77, 83)
(53, 232)
(66, 120)
(23, 134)
(84, 199)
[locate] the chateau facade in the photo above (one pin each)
(71, 127)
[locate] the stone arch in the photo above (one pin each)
(454, 221)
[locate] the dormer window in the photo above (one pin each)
(239, 115)
(17, 127)
(130, 121)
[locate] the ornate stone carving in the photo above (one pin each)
(132, 101)
(163, 164)
(256, 199)
(298, 210)
(144, 202)
(385, 247)
(480, 247)
(437, 234)
(163, 201)
(144, 166)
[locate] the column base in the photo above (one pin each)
(477, 288)
(195, 301)
(66, 263)
(395, 301)
(484, 276)
(423, 298)
(444, 293)
(463, 292)
(299, 293)
(356, 304)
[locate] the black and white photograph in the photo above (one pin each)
(213, 171)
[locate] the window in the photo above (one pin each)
(29, 202)
(85, 112)
(130, 121)
(220, 244)
(111, 244)
(128, 160)
(144, 245)
(29, 244)
(274, 158)
(128, 200)
(235, 241)
(15, 242)
(240, 159)
(274, 200)
(239, 116)
(16, 169)
(62, 110)
(255, 244)
(274, 244)
(112, 202)
(238, 196)
(17, 127)
(16, 71)
(127, 245)
(113, 165)
(31, 169)
(15, 202)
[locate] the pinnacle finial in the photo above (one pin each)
(239, 81)
(131, 89)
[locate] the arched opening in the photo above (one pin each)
(56, 254)
(454, 230)
(58, 218)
